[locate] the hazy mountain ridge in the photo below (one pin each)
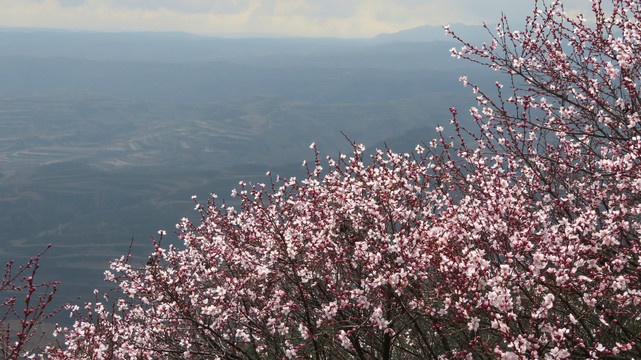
(428, 33)
(183, 47)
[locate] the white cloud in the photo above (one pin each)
(342, 18)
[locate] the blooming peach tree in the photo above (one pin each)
(516, 241)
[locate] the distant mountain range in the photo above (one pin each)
(184, 47)
(428, 33)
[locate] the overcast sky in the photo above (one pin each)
(326, 18)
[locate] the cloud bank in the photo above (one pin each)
(315, 18)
